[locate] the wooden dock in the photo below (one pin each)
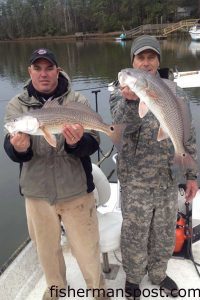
(160, 30)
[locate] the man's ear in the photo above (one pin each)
(58, 71)
(29, 70)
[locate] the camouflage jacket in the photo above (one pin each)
(143, 160)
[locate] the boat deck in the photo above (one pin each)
(181, 270)
(23, 279)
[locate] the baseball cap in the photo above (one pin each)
(43, 53)
(145, 42)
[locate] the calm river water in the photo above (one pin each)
(91, 66)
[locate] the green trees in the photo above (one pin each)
(30, 18)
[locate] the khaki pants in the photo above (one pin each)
(80, 222)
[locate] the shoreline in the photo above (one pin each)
(76, 36)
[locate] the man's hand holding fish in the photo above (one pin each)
(127, 93)
(20, 141)
(72, 133)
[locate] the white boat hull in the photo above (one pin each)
(195, 33)
(188, 79)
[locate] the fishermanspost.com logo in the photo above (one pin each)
(118, 293)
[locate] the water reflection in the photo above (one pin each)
(91, 65)
(175, 46)
(121, 43)
(194, 95)
(176, 53)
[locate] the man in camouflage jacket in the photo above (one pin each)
(148, 182)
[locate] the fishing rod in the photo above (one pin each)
(98, 87)
(78, 90)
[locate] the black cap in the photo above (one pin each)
(43, 53)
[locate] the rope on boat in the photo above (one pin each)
(104, 155)
(14, 255)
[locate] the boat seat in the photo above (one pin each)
(109, 222)
(110, 232)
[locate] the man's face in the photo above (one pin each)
(44, 76)
(146, 60)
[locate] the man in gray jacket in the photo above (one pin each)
(57, 182)
(149, 187)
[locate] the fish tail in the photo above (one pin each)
(116, 134)
(186, 161)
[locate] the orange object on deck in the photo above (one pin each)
(180, 234)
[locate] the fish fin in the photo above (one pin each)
(162, 135)
(83, 107)
(51, 103)
(186, 161)
(116, 134)
(76, 104)
(50, 138)
(143, 109)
